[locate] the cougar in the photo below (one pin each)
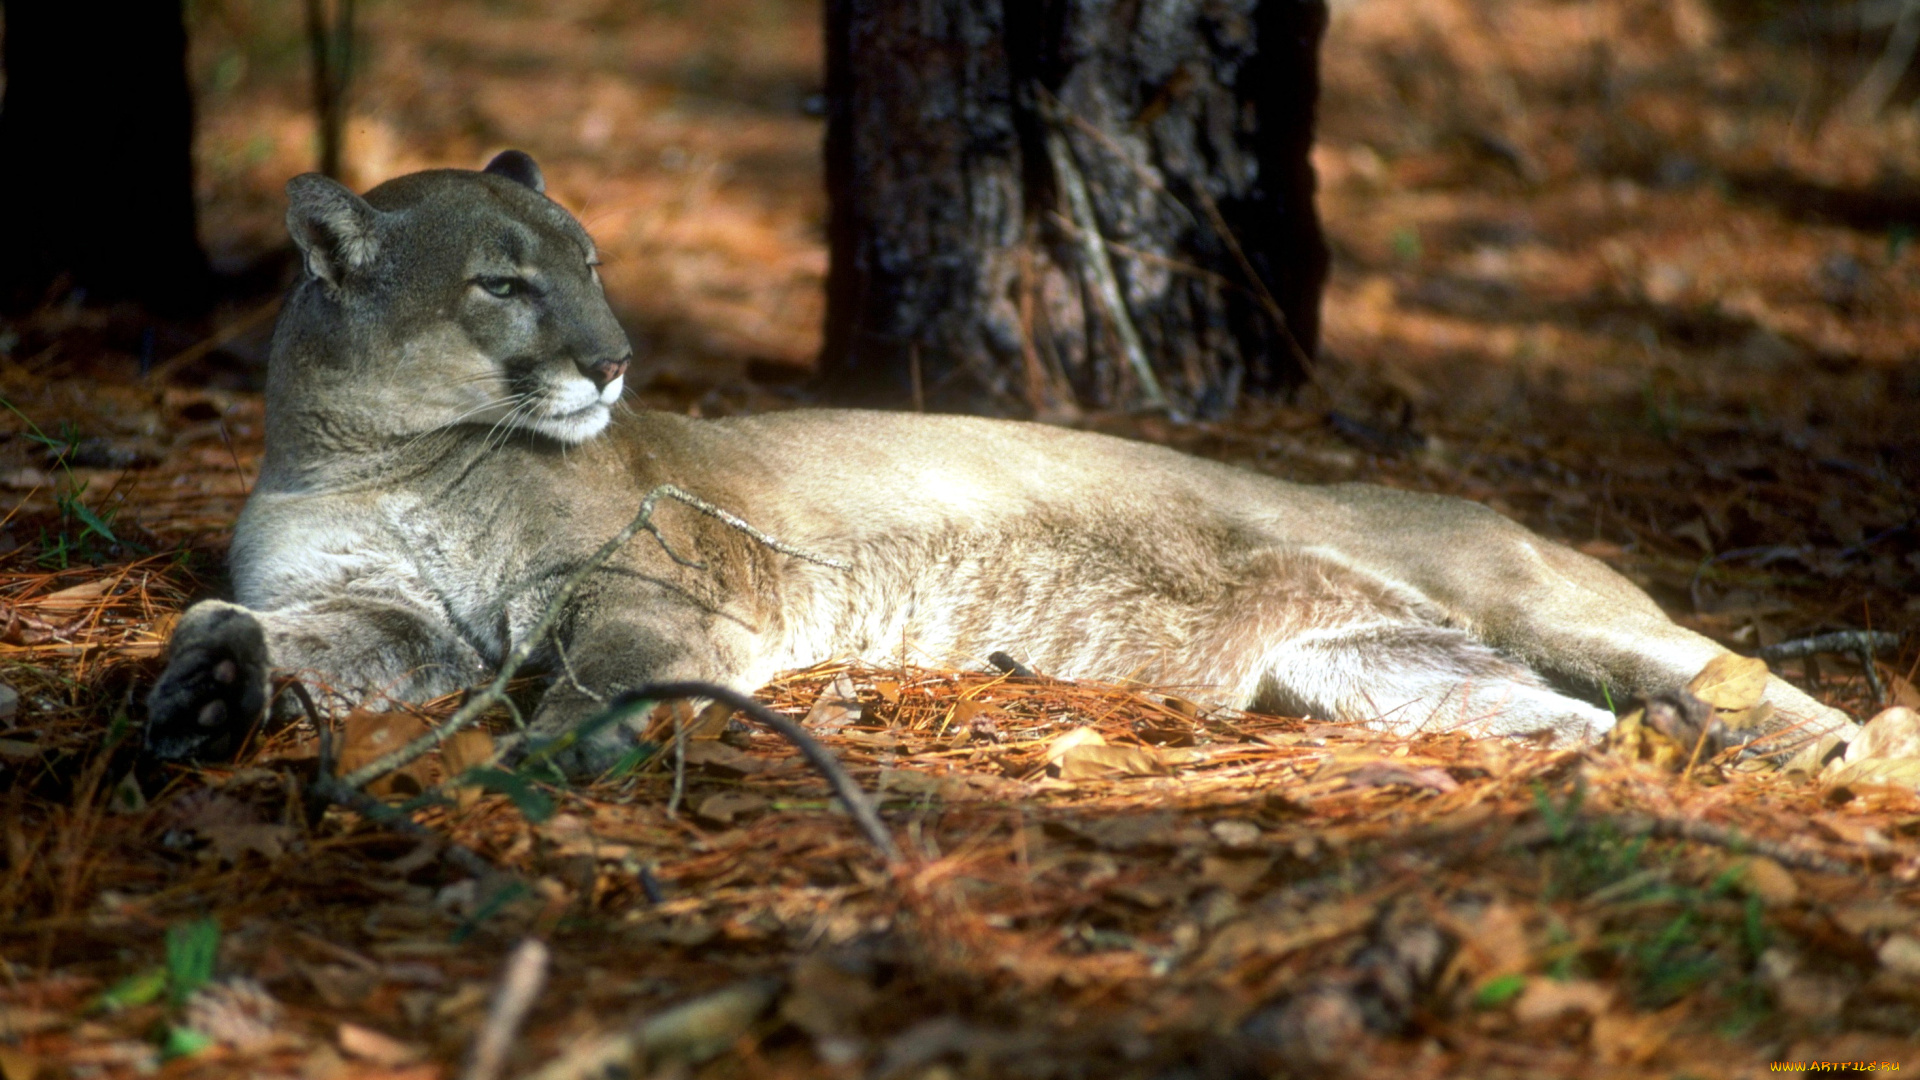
(446, 445)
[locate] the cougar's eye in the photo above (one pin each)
(502, 287)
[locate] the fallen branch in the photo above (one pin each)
(526, 973)
(1858, 643)
(1700, 832)
(845, 789)
(688, 1033)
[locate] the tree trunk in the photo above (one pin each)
(96, 168)
(1046, 205)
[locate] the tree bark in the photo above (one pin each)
(96, 167)
(1046, 205)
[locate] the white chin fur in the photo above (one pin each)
(573, 428)
(580, 413)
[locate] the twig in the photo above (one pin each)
(1703, 832)
(496, 691)
(679, 765)
(1860, 643)
(1106, 286)
(234, 329)
(335, 791)
(321, 728)
(1884, 77)
(844, 788)
(327, 786)
(1259, 284)
(526, 973)
(690, 1032)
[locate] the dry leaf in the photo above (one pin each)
(967, 711)
(1105, 762)
(888, 690)
(1900, 954)
(1900, 690)
(462, 751)
(1235, 833)
(1730, 682)
(826, 997)
(1277, 934)
(1237, 875)
(70, 598)
(1628, 1038)
(1633, 739)
(1814, 756)
(20, 1065)
(1545, 1000)
(1863, 917)
(669, 717)
(1152, 893)
(725, 760)
(232, 842)
(366, 737)
(1385, 773)
(1182, 706)
(19, 628)
(836, 707)
(377, 1048)
(1067, 740)
(705, 723)
(1892, 733)
(19, 1021)
(1764, 878)
(571, 835)
(723, 807)
(1493, 942)
(1852, 832)
(1901, 772)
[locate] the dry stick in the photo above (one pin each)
(380, 813)
(496, 691)
(679, 766)
(331, 789)
(1863, 644)
(1106, 286)
(1704, 832)
(1884, 77)
(1267, 301)
(690, 1032)
(225, 334)
(526, 973)
(849, 793)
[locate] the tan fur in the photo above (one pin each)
(411, 524)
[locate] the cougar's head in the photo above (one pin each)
(444, 298)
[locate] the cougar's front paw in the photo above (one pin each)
(215, 685)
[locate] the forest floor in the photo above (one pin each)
(1638, 274)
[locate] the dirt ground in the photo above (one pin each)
(1639, 274)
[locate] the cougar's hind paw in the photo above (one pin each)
(214, 688)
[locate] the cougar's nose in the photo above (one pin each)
(605, 370)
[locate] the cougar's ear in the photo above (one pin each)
(332, 226)
(518, 167)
